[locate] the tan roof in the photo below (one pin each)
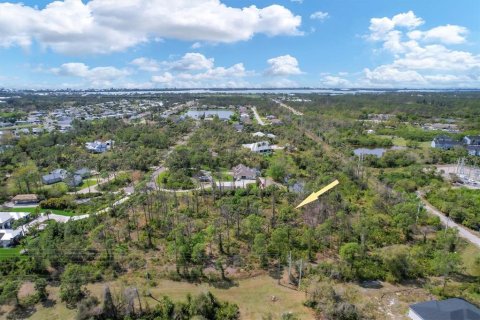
(25, 197)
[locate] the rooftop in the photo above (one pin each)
(450, 309)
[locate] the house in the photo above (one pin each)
(25, 199)
(7, 235)
(261, 135)
(55, 176)
(245, 118)
(259, 147)
(258, 134)
(83, 172)
(238, 127)
(99, 146)
(450, 309)
(73, 180)
(474, 150)
(444, 143)
(242, 172)
(471, 140)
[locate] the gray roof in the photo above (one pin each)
(450, 309)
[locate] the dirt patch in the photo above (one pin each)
(26, 289)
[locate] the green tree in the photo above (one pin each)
(71, 283)
(350, 252)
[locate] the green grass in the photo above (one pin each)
(426, 145)
(59, 212)
(397, 141)
(253, 296)
(87, 183)
(6, 253)
(469, 259)
(223, 176)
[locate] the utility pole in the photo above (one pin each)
(289, 265)
(300, 277)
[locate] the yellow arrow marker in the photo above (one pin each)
(314, 196)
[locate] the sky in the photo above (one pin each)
(240, 43)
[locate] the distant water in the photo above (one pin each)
(197, 114)
(378, 152)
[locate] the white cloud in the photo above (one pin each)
(448, 34)
(319, 15)
(146, 64)
(438, 57)
(103, 26)
(283, 66)
(192, 61)
(380, 27)
(388, 75)
(96, 77)
(335, 82)
(421, 58)
(196, 70)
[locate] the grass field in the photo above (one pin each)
(253, 296)
(469, 257)
(397, 141)
(87, 183)
(6, 253)
(59, 212)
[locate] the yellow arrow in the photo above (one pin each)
(314, 196)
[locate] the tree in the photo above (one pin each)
(109, 310)
(349, 252)
(71, 283)
(446, 263)
(41, 288)
(260, 248)
(9, 292)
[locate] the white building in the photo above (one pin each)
(8, 235)
(263, 147)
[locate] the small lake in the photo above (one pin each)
(378, 152)
(197, 114)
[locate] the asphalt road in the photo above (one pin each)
(446, 221)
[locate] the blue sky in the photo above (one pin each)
(214, 43)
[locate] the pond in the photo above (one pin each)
(378, 152)
(210, 113)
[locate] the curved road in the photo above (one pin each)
(449, 223)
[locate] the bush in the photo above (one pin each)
(62, 203)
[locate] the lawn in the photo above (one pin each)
(223, 176)
(6, 253)
(59, 212)
(253, 296)
(469, 258)
(397, 141)
(87, 183)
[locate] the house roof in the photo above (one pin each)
(244, 171)
(25, 197)
(5, 216)
(450, 309)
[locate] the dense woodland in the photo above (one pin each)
(371, 227)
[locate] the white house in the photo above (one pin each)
(259, 147)
(8, 235)
(99, 146)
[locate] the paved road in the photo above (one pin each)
(294, 111)
(462, 231)
(257, 116)
(94, 188)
